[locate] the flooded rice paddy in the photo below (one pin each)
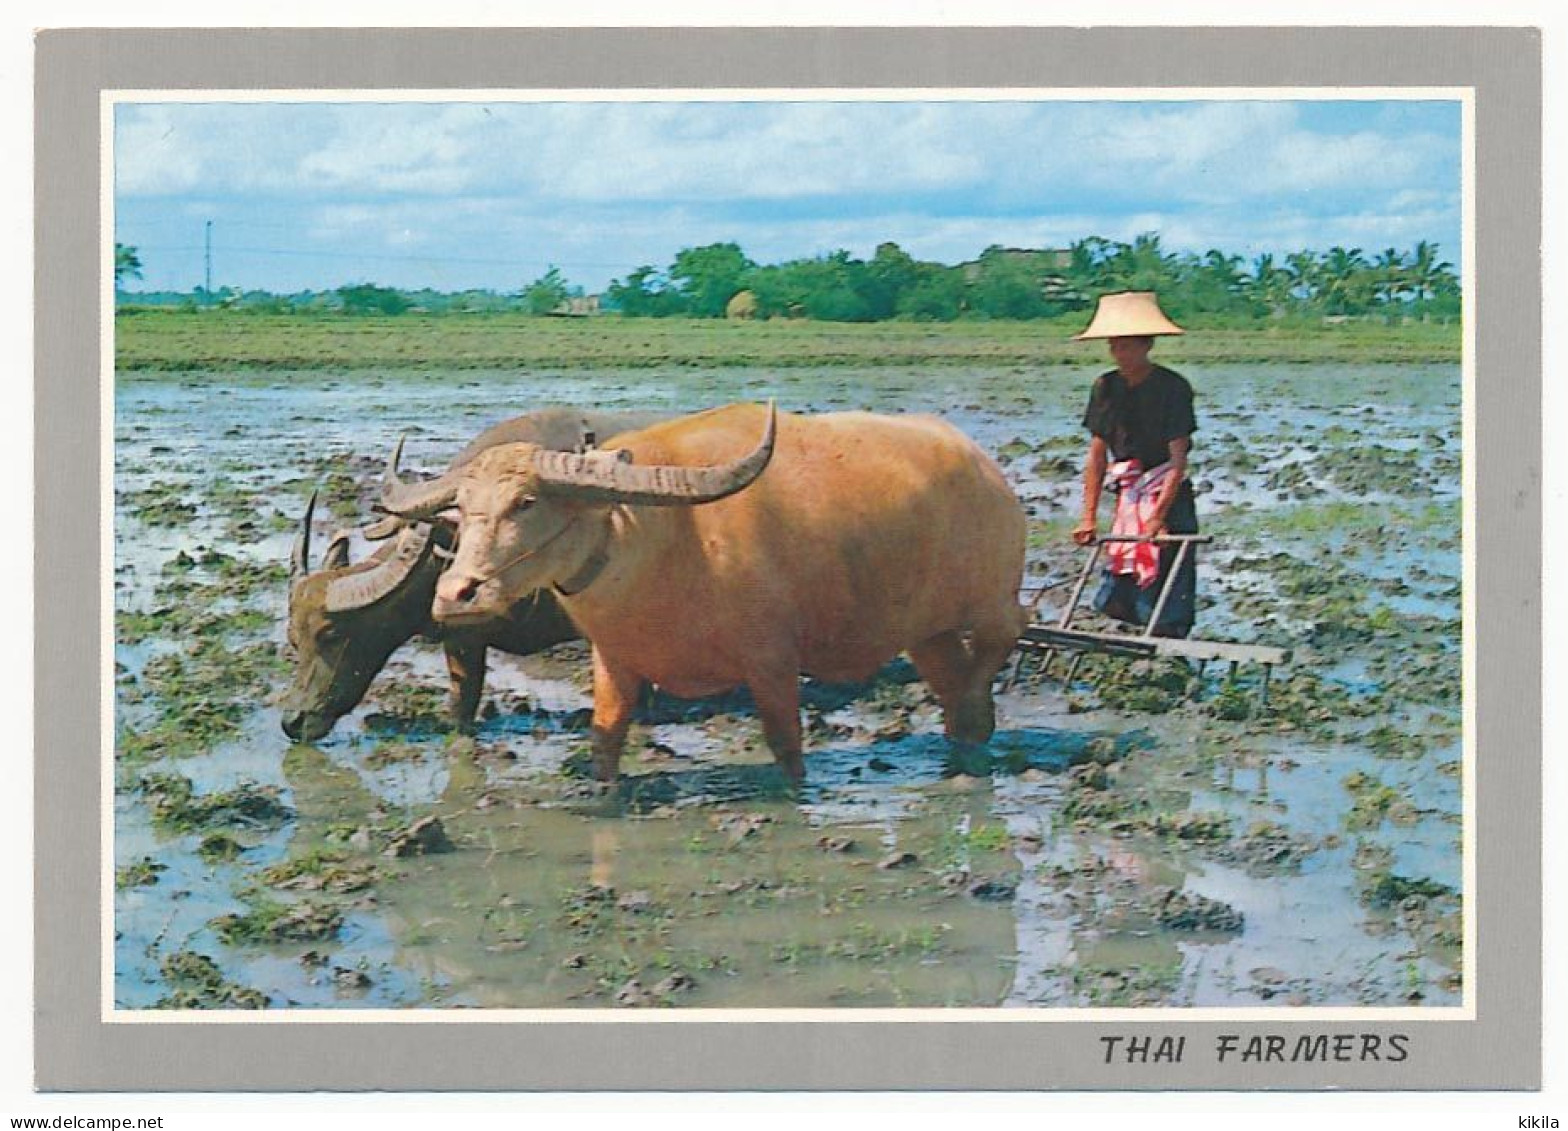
(1136, 836)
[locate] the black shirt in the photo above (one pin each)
(1140, 422)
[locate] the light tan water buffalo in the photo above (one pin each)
(699, 559)
(346, 620)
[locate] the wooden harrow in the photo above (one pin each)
(1045, 640)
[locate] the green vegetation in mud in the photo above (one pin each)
(160, 505)
(196, 982)
(215, 340)
(401, 709)
(1141, 686)
(139, 874)
(176, 807)
(272, 922)
(1096, 798)
(1385, 889)
(1267, 848)
(1372, 802)
(865, 943)
(219, 848)
(323, 869)
(201, 696)
(1122, 986)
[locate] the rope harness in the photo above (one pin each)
(578, 582)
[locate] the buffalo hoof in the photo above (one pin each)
(793, 766)
(971, 722)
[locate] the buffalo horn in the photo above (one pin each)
(382, 529)
(362, 588)
(299, 560)
(414, 500)
(595, 477)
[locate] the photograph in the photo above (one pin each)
(929, 554)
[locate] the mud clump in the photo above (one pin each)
(176, 807)
(993, 889)
(1373, 802)
(196, 983)
(143, 873)
(1387, 889)
(219, 848)
(322, 870)
(423, 838)
(738, 827)
(1267, 849)
(632, 995)
(1144, 686)
(276, 922)
(1178, 910)
(635, 902)
(1387, 742)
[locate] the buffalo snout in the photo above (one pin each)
(305, 726)
(459, 598)
(456, 589)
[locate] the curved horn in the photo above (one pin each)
(382, 528)
(362, 588)
(595, 477)
(414, 500)
(299, 560)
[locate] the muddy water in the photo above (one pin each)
(1136, 837)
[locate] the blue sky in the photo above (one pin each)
(455, 195)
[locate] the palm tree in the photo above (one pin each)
(127, 264)
(1086, 268)
(1427, 274)
(1306, 275)
(1388, 275)
(1270, 284)
(1344, 279)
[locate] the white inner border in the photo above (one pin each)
(110, 99)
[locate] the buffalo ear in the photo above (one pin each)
(336, 556)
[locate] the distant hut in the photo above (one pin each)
(742, 307)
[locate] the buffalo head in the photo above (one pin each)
(346, 619)
(532, 518)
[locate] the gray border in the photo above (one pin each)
(75, 1051)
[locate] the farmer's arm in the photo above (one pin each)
(1093, 483)
(1179, 447)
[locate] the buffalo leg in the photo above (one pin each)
(778, 702)
(465, 665)
(615, 694)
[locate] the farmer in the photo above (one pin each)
(1140, 423)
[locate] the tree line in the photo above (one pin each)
(719, 280)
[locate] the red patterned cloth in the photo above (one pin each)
(1138, 498)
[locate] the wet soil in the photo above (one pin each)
(1140, 835)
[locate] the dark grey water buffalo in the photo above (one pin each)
(699, 557)
(346, 620)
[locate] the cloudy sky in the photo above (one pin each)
(454, 195)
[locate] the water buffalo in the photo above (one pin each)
(865, 536)
(346, 620)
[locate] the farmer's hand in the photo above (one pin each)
(1083, 534)
(1156, 530)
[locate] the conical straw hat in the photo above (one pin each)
(1129, 314)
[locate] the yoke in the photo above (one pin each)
(1045, 640)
